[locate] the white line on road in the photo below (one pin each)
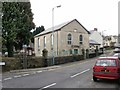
(51, 69)
(8, 78)
(79, 73)
(49, 85)
(39, 71)
(17, 76)
(33, 73)
(25, 74)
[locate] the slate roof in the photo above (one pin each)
(58, 27)
(92, 42)
(91, 31)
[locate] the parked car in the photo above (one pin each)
(117, 55)
(117, 50)
(107, 68)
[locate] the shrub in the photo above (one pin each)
(12, 63)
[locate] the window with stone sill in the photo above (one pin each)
(80, 39)
(44, 42)
(38, 41)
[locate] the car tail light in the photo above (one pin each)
(94, 69)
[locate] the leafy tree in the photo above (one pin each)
(17, 22)
(37, 31)
(0, 26)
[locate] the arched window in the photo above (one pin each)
(81, 39)
(69, 39)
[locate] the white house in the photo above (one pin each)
(110, 41)
(95, 39)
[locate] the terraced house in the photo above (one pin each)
(69, 38)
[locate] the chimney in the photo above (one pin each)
(95, 29)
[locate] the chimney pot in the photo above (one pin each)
(95, 29)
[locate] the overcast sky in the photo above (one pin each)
(101, 14)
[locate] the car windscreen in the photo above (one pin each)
(106, 63)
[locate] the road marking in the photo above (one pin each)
(51, 69)
(25, 74)
(79, 73)
(39, 71)
(7, 78)
(49, 85)
(33, 73)
(17, 76)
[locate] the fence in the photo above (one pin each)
(72, 57)
(64, 59)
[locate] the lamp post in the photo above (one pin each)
(103, 36)
(53, 33)
(103, 40)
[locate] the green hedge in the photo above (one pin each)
(12, 63)
(35, 62)
(64, 59)
(15, 63)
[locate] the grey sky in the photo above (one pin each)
(101, 14)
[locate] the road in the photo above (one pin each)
(72, 75)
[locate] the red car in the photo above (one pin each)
(107, 68)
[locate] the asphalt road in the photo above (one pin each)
(73, 75)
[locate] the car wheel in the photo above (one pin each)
(94, 79)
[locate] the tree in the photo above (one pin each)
(17, 22)
(0, 26)
(37, 31)
(26, 25)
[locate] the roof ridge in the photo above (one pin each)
(59, 26)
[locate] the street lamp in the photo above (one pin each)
(103, 36)
(53, 32)
(103, 40)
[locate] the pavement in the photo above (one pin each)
(33, 69)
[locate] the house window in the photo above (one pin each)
(90, 46)
(81, 39)
(97, 47)
(75, 51)
(69, 39)
(51, 41)
(70, 51)
(38, 41)
(44, 41)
